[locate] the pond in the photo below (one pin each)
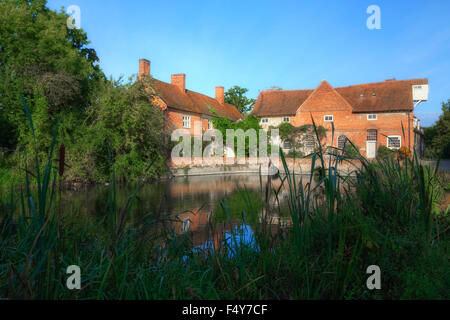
(192, 204)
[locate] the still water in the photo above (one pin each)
(191, 203)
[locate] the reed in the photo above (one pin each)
(385, 214)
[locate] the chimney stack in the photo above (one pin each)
(144, 67)
(180, 81)
(220, 95)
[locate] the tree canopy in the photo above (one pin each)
(437, 137)
(103, 123)
(236, 96)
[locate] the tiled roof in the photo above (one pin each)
(280, 102)
(391, 95)
(191, 101)
(387, 96)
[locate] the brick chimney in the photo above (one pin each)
(220, 95)
(144, 67)
(180, 81)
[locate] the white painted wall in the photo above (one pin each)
(273, 121)
(420, 92)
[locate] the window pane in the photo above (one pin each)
(394, 142)
(309, 141)
(371, 135)
(341, 141)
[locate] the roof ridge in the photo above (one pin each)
(193, 101)
(382, 82)
(287, 90)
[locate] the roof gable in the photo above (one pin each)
(324, 98)
(388, 96)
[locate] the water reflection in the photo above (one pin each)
(195, 202)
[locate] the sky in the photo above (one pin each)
(260, 44)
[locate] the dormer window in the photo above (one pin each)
(361, 95)
(374, 95)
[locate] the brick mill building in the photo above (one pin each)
(369, 115)
(184, 107)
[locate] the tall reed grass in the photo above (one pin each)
(385, 214)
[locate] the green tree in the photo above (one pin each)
(437, 137)
(102, 123)
(43, 60)
(124, 131)
(236, 96)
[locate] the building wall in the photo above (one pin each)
(175, 120)
(355, 126)
(273, 121)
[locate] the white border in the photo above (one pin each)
(387, 141)
(328, 115)
(188, 118)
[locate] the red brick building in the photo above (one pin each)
(184, 107)
(369, 115)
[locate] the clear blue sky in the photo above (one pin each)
(259, 44)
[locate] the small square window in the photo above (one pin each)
(328, 118)
(372, 117)
(264, 120)
(286, 119)
(287, 145)
(187, 122)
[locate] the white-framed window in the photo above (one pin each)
(210, 124)
(265, 120)
(286, 119)
(328, 118)
(287, 144)
(187, 122)
(394, 142)
(372, 116)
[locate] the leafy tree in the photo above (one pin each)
(43, 60)
(249, 122)
(125, 131)
(236, 96)
(102, 123)
(437, 137)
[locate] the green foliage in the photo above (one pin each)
(249, 122)
(286, 129)
(60, 79)
(351, 150)
(233, 207)
(236, 96)
(41, 59)
(437, 137)
(296, 135)
(384, 152)
(338, 227)
(123, 124)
